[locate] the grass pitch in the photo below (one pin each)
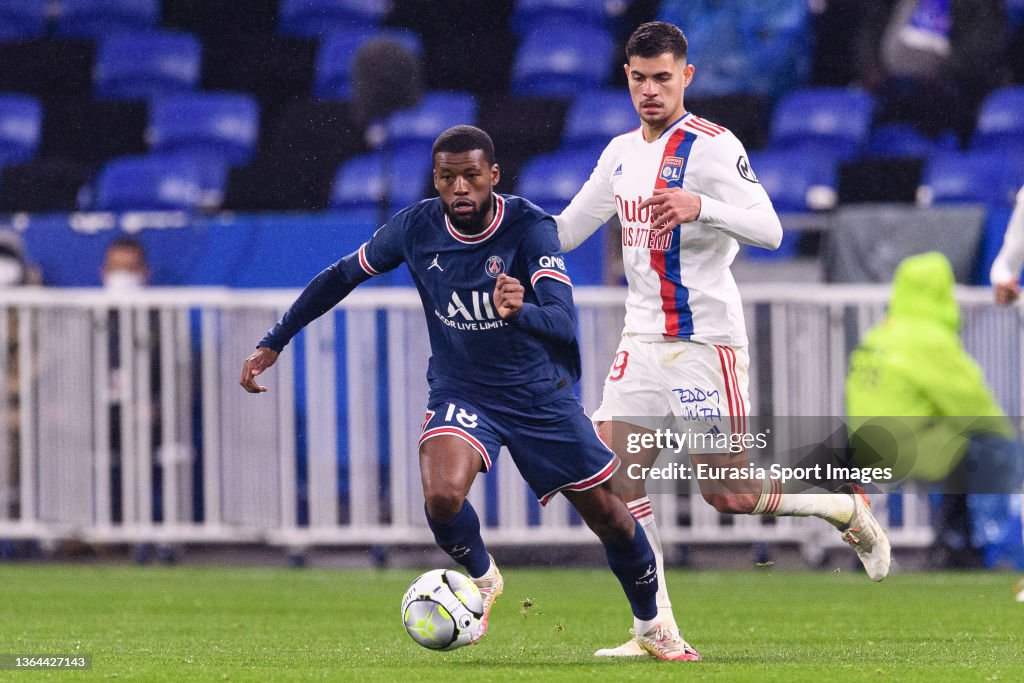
(187, 623)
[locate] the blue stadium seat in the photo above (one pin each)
(1015, 12)
(435, 113)
(577, 61)
(529, 15)
(903, 140)
(596, 117)
(149, 183)
(222, 125)
(989, 177)
(337, 51)
(138, 66)
(21, 120)
(792, 178)
(833, 118)
(551, 180)
(94, 18)
(1001, 120)
(361, 182)
(20, 19)
(314, 18)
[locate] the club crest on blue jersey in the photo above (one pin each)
(672, 169)
(495, 266)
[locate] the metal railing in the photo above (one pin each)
(124, 421)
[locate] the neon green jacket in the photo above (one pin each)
(913, 364)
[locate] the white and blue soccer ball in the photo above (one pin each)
(442, 610)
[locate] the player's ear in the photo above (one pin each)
(688, 75)
(495, 174)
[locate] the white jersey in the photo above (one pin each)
(680, 285)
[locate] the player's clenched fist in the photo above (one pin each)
(508, 296)
(260, 360)
(671, 206)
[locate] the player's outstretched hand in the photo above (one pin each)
(1007, 292)
(508, 296)
(260, 360)
(671, 206)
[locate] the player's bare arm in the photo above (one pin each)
(671, 206)
(261, 359)
(508, 296)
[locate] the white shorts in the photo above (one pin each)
(651, 384)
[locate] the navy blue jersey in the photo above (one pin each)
(529, 357)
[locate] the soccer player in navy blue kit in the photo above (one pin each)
(502, 328)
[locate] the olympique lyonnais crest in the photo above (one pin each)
(495, 266)
(672, 169)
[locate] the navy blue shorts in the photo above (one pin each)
(555, 446)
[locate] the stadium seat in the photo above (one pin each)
(904, 140)
(989, 177)
(833, 119)
(551, 180)
(21, 122)
(363, 181)
(149, 183)
(796, 180)
(312, 18)
(576, 62)
(334, 59)
(21, 19)
(94, 18)
(596, 117)
(1001, 120)
(529, 15)
(139, 66)
(222, 125)
(435, 113)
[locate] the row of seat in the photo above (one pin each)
(21, 19)
(830, 123)
(811, 133)
(142, 64)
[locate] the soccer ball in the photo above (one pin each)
(442, 610)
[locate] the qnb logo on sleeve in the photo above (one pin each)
(556, 262)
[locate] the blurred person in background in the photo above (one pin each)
(125, 267)
(745, 47)
(931, 62)
(15, 271)
(1005, 272)
(914, 365)
(125, 270)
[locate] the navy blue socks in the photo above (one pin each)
(460, 538)
(633, 564)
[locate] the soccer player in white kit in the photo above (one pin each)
(685, 194)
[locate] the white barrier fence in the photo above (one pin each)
(124, 421)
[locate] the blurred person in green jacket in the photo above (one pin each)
(917, 402)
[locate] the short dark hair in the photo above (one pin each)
(464, 139)
(129, 243)
(656, 38)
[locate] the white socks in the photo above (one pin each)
(641, 509)
(834, 508)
